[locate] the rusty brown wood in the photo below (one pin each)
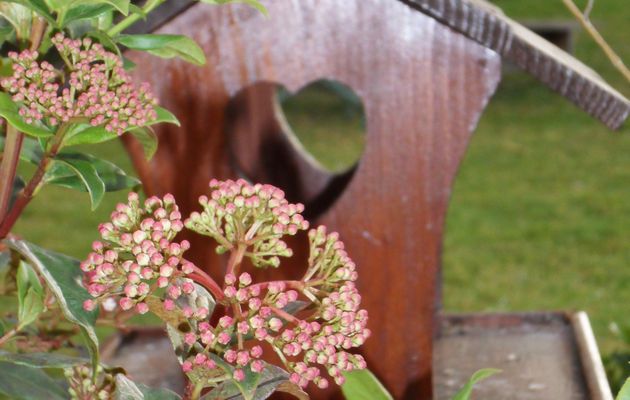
(424, 87)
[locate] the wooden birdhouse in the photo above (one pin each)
(425, 71)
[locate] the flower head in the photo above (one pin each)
(97, 88)
(138, 254)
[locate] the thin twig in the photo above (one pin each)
(588, 9)
(614, 58)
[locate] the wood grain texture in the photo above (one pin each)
(563, 73)
(489, 26)
(423, 86)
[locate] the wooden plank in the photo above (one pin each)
(424, 87)
(486, 24)
(538, 354)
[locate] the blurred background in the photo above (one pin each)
(540, 214)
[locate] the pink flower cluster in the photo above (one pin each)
(138, 254)
(256, 215)
(98, 88)
(319, 340)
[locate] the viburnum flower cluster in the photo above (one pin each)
(311, 325)
(137, 254)
(95, 88)
(81, 386)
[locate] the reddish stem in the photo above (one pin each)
(10, 158)
(296, 285)
(199, 276)
(236, 257)
(285, 315)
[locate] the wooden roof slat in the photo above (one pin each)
(489, 26)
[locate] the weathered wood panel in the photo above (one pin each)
(424, 87)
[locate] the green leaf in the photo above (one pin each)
(30, 295)
(253, 387)
(38, 6)
(62, 276)
(624, 393)
(103, 38)
(147, 138)
(252, 3)
(121, 5)
(126, 389)
(87, 11)
(477, 377)
(86, 171)
(362, 384)
(9, 111)
(41, 360)
(20, 382)
(165, 46)
(164, 115)
(112, 176)
(87, 134)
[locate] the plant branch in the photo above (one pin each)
(7, 336)
(614, 58)
(10, 158)
(149, 6)
(199, 276)
(236, 257)
(26, 194)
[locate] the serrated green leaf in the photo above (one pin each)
(165, 46)
(86, 171)
(362, 384)
(624, 393)
(252, 3)
(112, 176)
(20, 382)
(62, 276)
(41, 360)
(9, 111)
(147, 138)
(126, 389)
(477, 377)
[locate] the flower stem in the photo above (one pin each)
(149, 6)
(236, 258)
(8, 336)
(199, 276)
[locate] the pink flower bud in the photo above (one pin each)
(89, 305)
(142, 308)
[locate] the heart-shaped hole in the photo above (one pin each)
(309, 144)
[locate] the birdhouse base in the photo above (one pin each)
(542, 356)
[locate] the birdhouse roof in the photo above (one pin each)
(488, 25)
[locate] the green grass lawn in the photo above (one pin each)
(540, 213)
